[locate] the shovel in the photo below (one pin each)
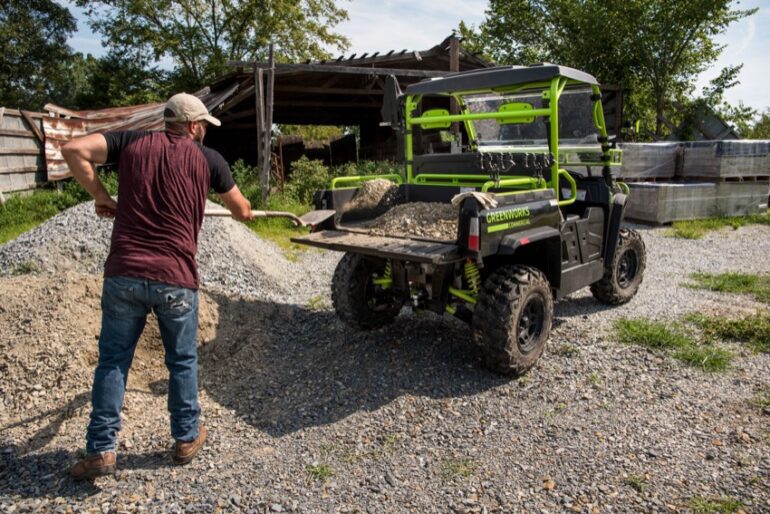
(309, 219)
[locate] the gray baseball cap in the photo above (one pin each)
(184, 107)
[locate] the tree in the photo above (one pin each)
(33, 45)
(654, 47)
(202, 35)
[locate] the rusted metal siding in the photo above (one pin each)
(66, 124)
(21, 161)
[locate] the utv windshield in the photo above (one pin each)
(576, 125)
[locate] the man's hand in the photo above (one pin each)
(237, 204)
(105, 207)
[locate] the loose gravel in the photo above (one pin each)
(307, 415)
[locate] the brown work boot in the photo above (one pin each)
(94, 465)
(184, 452)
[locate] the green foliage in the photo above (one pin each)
(637, 482)
(654, 47)
(307, 177)
(201, 38)
(651, 334)
(761, 128)
(457, 468)
(313, 132)
(757, 285)
(762, 400)
(695, 229)
(727, 505)
(753, 329)
(674, 338)
(708, 358)
(321, 472)
(25, 268)
(33, 45)
(22, 213)
(108, 177)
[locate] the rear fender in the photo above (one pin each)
(538, 247)
(613, 227)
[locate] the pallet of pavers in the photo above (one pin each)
(648, 161)
(661, 203)
(726, 160)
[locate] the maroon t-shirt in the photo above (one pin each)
(163, 182)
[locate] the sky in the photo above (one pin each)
(383, 25)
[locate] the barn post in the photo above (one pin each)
(268, 126)
(259, 110)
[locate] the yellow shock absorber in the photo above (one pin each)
(388, 269)
(472, 276)
(386, 280)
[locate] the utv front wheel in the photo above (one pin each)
(358, 299)
(512, 318)
(623, 276)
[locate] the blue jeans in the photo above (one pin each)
(125, 305)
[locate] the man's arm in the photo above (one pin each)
(238, 204)
(81, 154)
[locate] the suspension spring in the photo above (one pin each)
(472, 276)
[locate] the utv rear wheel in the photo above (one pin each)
(358, 300)
(624, 275)
(512, 318)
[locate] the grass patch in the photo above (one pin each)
(757, 285)
(676, 339)
(637, 482)
(696, 229)
(726, 505)
(753, 329)
(462, 468)
(321, 472)
(708, 358)
(762, 400)
(652, 334)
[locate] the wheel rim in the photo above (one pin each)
(627, 268)
(531, 322)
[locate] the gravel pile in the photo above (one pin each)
(431, 220)
(306, 415)
(231, 259)
(373, 198)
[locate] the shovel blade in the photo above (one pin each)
(314, 218)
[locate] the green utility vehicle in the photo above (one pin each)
(534, 139)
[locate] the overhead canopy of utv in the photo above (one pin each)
(500, 76)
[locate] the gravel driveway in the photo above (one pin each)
(306, 415)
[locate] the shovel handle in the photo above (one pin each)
(257, 214)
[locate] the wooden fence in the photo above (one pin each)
(22, 158)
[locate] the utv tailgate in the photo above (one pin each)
(385, 247)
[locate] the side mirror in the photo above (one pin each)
(516, 106)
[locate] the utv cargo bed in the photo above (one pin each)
(386, 247)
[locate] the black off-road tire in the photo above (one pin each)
(624, 275)
(359, 302)
(512, 318)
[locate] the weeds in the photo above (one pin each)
(462, 468)
(756, 285)
(321, 472)
(594, 379)
(696, 229)
(676, 339)
(753, 330)
(726, 505)
(637, 482)
(652, 334)
(316, 303)
(762, 400)
(708, 358)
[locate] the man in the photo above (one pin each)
(164, 178)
